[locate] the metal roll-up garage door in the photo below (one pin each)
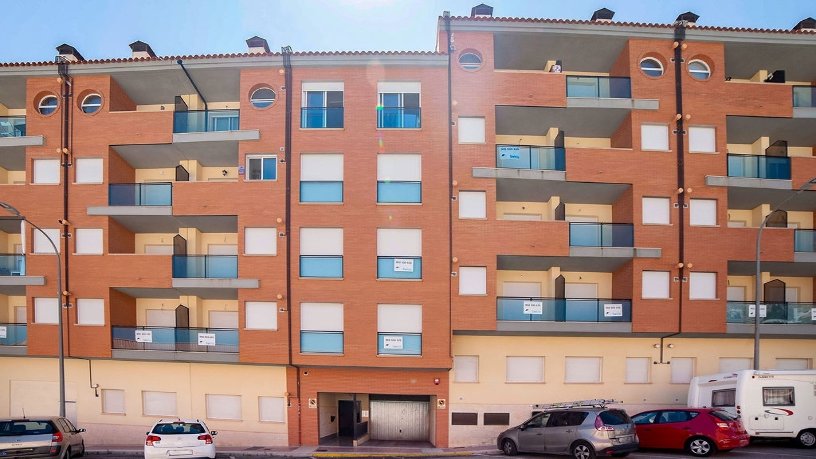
(399, 420)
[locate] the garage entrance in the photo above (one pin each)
(400, 418)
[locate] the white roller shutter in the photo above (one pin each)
(702, 140)
(46, 171)
(471, 129)
(399, 87)
(729, 364)
(637, 369)
(654, 137)
(90, 311)
(88, 241)
(656, 211)
(466, 368)
(46, 311)
(113, 401)
(792, 364)
(88, 170)
(682, 370)
(582, 370)
(399, 242)
(526, 369)
(703, 212)
(472, 280)
(321, 241)
(223, 319)
(472, 204)
(399, 318)
(271, 409)
(521, 289)
(703, 286)
(321, 316)
(223, 406)
(260, 241)
(321, 168)
(158, 403)
(399, 167)
(655, 284)
(261, 315)
(160, 318)
(41, 243)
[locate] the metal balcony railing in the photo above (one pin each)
(205, 266)
(205, 121)
(319, 191)
(175, 339)
(326, 266)
(140, 194)
(563, 309)
(804, 240)
(399, 343)
(759, 166)
(399, 192)
(804, 96)
(12, 264)
(599, 87)
(321, 117)
(589, 234)
(13, 334)
(399, 117)
(399, 267)
(12, 126)
(742, 312)
(530, 157)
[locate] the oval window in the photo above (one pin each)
(91, 103)
(651, 67)
(262, 97)
(699, 70)
(470, 60)
(48, 105)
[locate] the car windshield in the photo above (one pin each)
(614, 417)
(25, 427)
(178, 428)
(723, 415)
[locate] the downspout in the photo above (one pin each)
(446, 18)
(66, 155)
(190, 78)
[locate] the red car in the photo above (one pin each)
(699, 431)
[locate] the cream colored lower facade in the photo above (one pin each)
(492, 393)
(29, 386)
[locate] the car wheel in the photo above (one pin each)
(509, 447)
(700, 447)
(582, 450)
(807, 438)
(68, 453)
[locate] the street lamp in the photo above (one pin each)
(61, 349)
(758, 280)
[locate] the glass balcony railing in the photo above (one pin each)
(13, 334)
(140, 194)
(399, 343)
(601, 234)
(205, 266)
(759, 166)
(530, 157)
(399, 117)
(804, 240)
(321, 191)
(804, 96)
(321, 117)
(399, 192)
(325, 342)
(175, 339)
(12, 264)
(205, 121)
(742, 312)
(399, 267)
(326, 266)
(12, 126)
(563, 309)
(599, 87)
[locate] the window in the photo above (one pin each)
(260, 241)
(113, 401)
(582, 370)
(651, 67)
(46, 311)
(569, 418)
(524, 369)
(464, 419)
(473, 280)
(262, 97)
(321, 178)
(472, 204)
(321, 328)
(466, 368)
(399, 253)
(471, 130)
(703, 286)
(654, 137)
(470, 60)
(792, 364)
(702, 139)
(223, 406)
(682, 370)
(271, 409)
(48, 105)
(321, 252)
(703, 212)
(46, 171)
(261, 315)
(637, 370)
(322, 105)
(496, 419)
(729, 364)
(262, 167)
(724, 397)
(90, 311)
(399, 178)
(656, 211)
(158, 403)
(778, 396)
(41, 243)
(398, 105)
(699, 70)
(88, 241)
(88, 170)
(91, 103)
(655, 285)
(670, 416)
(399, 329)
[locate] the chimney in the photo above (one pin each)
(689, 18)
(257, 45)
(141, 50)
(602, 15)
(69, 53)
(481, 11)
(806, 25)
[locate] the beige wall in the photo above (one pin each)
(545, 210)
(547, 280)
(759, 146)
(7, 305)
(602, 212)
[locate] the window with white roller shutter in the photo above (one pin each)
(90, 311)
(524, 369)
(655, 285)
(654, 137)
(46, 311)
(682, 370)
(321, 178)
(466, 368)
(471, 129)
(703, 212)
(321, 241)
(582, 369)
(158, 403)
(89, 170)
(223, 319)
(637, 370)
(399, 178)
(702, 139)
(703, 286)
(41, 243)
(46, 171)
(399, 318)
(88, 241)
(472, 204)
(220, 406)
(472, 280)
(321, 317)
(656, 211)
(399, 242)
(260, 241)
(731, 364)
(113, 401)
(261, 315)
(793, 364)
(271, 409)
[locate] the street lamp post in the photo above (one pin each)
(758, 280)
(60, 347)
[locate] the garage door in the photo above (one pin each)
(399, 420)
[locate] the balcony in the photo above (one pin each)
(12, 126)
(742, 312)
(399, 192)
(399, 344)
(12, 264)
(564, 315)
(13, 278)
(399, 267)
(599, 87)
(804, 240)
(13, 339)
(601, 234)
(205, 266)
(399, 117)
(321, 266)
(326, 192)
(759, 166)
(13, 137)
(321, 342)
(530, 157)
(804, 101)
(205, 121)
(321, 117)
(198, 344)
(140, 194)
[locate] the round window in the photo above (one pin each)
(470, 60)
(699, 70)
(262, 97)
(651, 66)
(48, 105)
(91, 103)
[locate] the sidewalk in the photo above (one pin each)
(309, 451)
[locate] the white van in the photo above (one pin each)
(770, 403)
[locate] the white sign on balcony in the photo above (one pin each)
(144, 336)
(3, 332)
(812, 313)
(206, 339)
(533, 307)
(613, 310)
(392, 342)
(403, 265)
(763, 310)
(509, 152)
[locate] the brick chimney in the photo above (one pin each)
(257, 45)
(603, 15)
(69, 53)
(689, 18)
(140, 50)
(806, 25)
(481, 11)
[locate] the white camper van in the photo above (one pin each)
(770, 403)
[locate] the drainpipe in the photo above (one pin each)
(66, 155)
(446, 18)
(206, 107)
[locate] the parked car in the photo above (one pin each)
(179, 438)
(40, 437)
(699, 431)
(582, 431)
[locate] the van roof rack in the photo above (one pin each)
(594, 403)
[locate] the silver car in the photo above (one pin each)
(582, 432)
(40, 437)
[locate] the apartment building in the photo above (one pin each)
(349, 246)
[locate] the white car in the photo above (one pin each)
(179, 438)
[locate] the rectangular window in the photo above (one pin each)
(90, 311)
(703, 286)
(88, 241)
(582, 369)
(158, 403)
(399, 329)
(88, 170)
(46, 171)
(321, 178)
(399, 105)
(524, 369)
(792, 364)
(399, 253)
(260, 241)
(223, 320)
(466, 368)
(472, 280)
(724, 397)
(682, 370)
(472, 204)
(46, 311)
(464, 419)
(399, 178)
(702, 140)
(471, 129)
(262, 167)
(321, 328)
(778, 396)
(41, 243)
(322, 104)
(261, 315)
(321, 252)
(496, 419)
(637, 370)
(223, 406)
(271, 409)
(730, 364)
(654, 137)
(655, 285)
(113, 401)
(656, 211)
(703, 212)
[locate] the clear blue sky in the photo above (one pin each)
(104, 28)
